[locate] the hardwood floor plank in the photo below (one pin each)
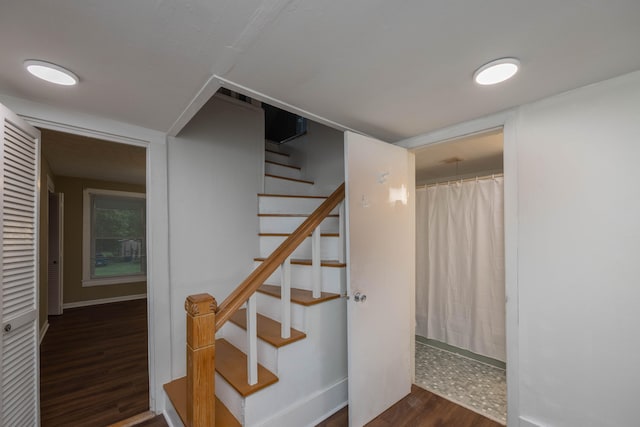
(157, 421)
(420, 408)
(93, 365)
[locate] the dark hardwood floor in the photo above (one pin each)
(421, 408)
(157, 421)
(94, 373)
(93, 365)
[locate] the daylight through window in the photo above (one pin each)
(116, 237)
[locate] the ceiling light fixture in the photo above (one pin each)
(496, 71)
(51, 72)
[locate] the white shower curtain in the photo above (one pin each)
(460, 295)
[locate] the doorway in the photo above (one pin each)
(101, 288)
(460, 285)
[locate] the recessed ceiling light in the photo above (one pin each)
(51, 72)
(496, 71)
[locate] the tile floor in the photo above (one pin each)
(475, 385)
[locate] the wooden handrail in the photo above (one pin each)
(251, 284)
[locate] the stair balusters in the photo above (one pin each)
(285, 298)
(204, 318)
(341, 233)
(252, 341)
(316, 266)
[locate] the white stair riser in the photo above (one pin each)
(332, 278)
(313, 371)
(272, 307)
(307, 367)
(268, 155)
(290, 205)
(230, 398)
(285, 186)
(329, 247)
(267, 354)
(284, 224)
(280, 170)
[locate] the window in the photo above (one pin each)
(114, 243)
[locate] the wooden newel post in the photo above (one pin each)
(201, 351)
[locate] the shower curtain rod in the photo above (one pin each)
(475, 178)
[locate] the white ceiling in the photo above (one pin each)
(391, 69)
(82, 157)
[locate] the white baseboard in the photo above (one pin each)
(102, 301)
(43, 331)
(323, 404)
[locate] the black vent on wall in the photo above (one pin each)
(281, 126)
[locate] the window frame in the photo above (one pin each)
(87, 280)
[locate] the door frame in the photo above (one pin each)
(158, 290)
(52, 191)
(120, 139)
(507, 120)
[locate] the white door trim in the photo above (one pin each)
(80, 124)
(506, 120)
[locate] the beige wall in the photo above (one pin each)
(73, 290)
(44, 242)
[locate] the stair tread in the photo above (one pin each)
(289, 234)
(304, 181)
(298, 296)
(295, 196)
(277, 152)
(323, 263)
(292, 215)
(231, 364)
(177, 392)
(269, 330)
(283, 164)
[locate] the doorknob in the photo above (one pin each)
(7, 327)
(358, 297)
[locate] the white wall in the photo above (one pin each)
(320, 153)
(215, 174)
(579, 255)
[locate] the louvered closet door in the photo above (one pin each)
(19, 170)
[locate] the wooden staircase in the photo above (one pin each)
(287, 202)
